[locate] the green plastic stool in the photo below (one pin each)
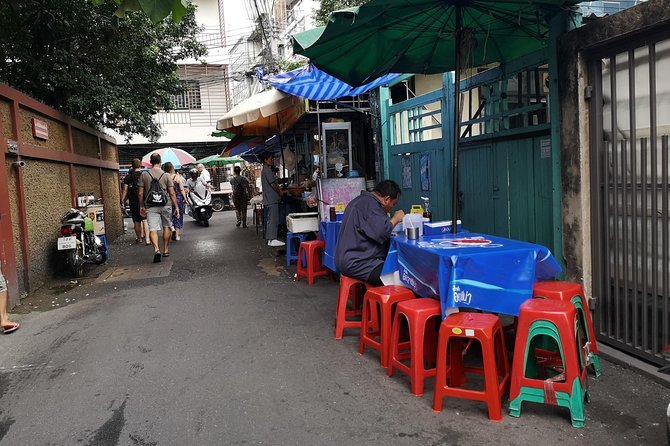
(574, 400)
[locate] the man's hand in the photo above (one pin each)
(176, 212)
(397, 217)
(143, 212)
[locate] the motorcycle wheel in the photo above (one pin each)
(76, 262)
(103, 258)
(217, 204)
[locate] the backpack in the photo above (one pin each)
(239, 191)
(132, 183)
(156, 195)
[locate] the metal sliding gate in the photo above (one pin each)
(630, 163)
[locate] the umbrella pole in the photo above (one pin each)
(457, 122)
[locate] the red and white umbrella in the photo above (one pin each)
(177, 157)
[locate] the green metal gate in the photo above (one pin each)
(505, 177)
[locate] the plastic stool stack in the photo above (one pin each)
(421, 316)
(311, 251)
(573, 293)
(566, 382)
(487, 329)
(377, 335)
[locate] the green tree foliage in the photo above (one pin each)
(328, 6)
(100, 69)
(157, 10)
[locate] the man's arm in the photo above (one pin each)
(124, 194)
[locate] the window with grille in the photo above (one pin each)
(189, 98)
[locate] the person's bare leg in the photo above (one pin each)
(4, 316)
(146, 232)
(167, 234)
(138, 231)
(153, 236)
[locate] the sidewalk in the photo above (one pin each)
(224, 347)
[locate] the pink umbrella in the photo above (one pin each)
(177, 157)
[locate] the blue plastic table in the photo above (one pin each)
(328, 232)
(471, 270)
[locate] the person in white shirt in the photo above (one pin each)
(204, 174)
(196, 183)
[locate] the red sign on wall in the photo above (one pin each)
(40, 129)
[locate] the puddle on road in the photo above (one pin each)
(269, 267)
(136, 272)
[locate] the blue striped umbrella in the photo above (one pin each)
(311, 83)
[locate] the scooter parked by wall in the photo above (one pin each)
(78, 244)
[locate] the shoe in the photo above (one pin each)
(178, 238)
(9, 328)
(157, 257)
(174, 236)
(166, 254)
(238, 224)
(244, 225)
(275, 243)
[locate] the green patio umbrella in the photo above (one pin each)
(427, 36)
(217, 160)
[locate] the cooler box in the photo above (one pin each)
(97, 214)
(439, 227)
(303, 222)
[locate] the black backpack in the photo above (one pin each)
(156, 196)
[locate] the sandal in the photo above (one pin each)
(11, 327)
(166, 254)
(157, 257)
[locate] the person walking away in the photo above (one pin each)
(157, 201)
(271, 198)
(240, 187)
(178, 184)
(130, 190)
(7, 325)
(365, 234)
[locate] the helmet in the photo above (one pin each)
(193, 171)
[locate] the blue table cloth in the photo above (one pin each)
(471, 270)
(328, 232)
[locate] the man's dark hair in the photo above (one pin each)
(237, 169)
(155, 159)
(137, 163)
(266, 155)
(388, 188)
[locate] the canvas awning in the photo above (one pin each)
(263, 114)
(311, 83)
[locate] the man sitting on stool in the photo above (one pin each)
(365, 235)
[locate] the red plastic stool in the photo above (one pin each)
(567, 386)
(312, 251)
(487, 329)
(573, 293)
(350, 288)
(421, 316)
(378, 335)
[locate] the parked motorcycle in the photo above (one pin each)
(200, 206)
(78, 243)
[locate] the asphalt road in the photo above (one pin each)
(227, 349)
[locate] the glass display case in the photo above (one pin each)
(336, 149)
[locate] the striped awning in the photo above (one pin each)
(311, 83)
